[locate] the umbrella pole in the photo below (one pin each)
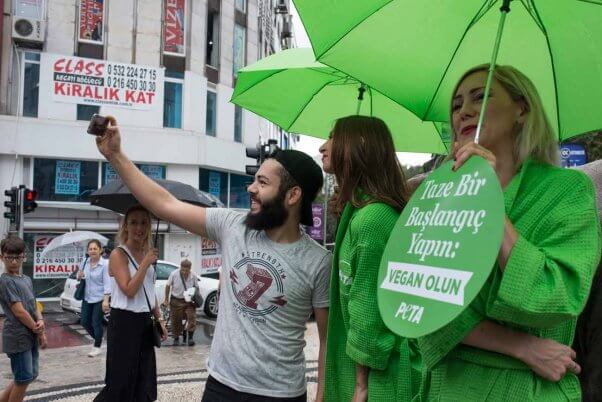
(360, 97)
(157, 234)
(504, 10)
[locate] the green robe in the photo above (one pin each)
(542, 290)
(356, 332)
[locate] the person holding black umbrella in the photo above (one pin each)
(275, 274)
(131, 373)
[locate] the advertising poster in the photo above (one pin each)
(66, 179)
(211, 256)
(110, 173)
(79, 80)
(57, 264)
(153, 171)
(572, 155)
(214, 183)
(316, 231)
(174, 27)
(91, 14)
(442, 249)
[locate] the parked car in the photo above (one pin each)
(207, 287)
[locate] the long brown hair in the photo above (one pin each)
(365, 165)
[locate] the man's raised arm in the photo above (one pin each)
(151, 195)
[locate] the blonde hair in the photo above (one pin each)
(536, 137)
(122, 234)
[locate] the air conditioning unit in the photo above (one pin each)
(27, 29)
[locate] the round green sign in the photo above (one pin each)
(442, 249)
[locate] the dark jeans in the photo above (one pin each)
(215, 391)
(91, 319)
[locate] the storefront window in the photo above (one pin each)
(152, 171)
(64, 180)
(239, 196)
(49, 274)
(215, 183)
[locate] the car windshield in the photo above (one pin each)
(163, 270)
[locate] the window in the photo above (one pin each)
(172, 105)
(153, 171)
(237, 123)
(241, 5)
(239, 196)
(240, 38)
(31, 84)
(164, 270)
(211, 118)
(64, 180)
(85, 112)
(215, 183)
(212, 49)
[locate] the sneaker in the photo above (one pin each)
(176, 341)
(94, 352)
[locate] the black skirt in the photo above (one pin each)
(131, 366)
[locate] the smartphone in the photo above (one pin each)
(98, 125)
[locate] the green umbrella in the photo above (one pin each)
(303, 96)
(430, 43)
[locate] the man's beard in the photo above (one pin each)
(271, 215)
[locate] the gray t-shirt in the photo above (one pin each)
(268, 291)
(16, 337)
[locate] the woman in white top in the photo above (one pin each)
(131, 373)
(95, 270)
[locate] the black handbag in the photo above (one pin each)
(197, 299)
(80, 288)
(157, 330)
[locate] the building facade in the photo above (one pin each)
(166, 70)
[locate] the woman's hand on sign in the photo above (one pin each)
(464, 152)
(150, 258)
(549, 359)
(109, 144)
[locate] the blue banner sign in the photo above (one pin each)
(67, 177)
(572, 155)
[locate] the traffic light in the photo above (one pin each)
(12, 205)
(29, 200)
(260, 152)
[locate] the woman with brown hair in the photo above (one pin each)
(131, 366)
(364, 359)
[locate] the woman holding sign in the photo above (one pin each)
(550, 248)
(365, 361)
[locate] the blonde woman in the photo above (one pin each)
(131, 367)
(528, 308)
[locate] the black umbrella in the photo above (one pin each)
(117, 197)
